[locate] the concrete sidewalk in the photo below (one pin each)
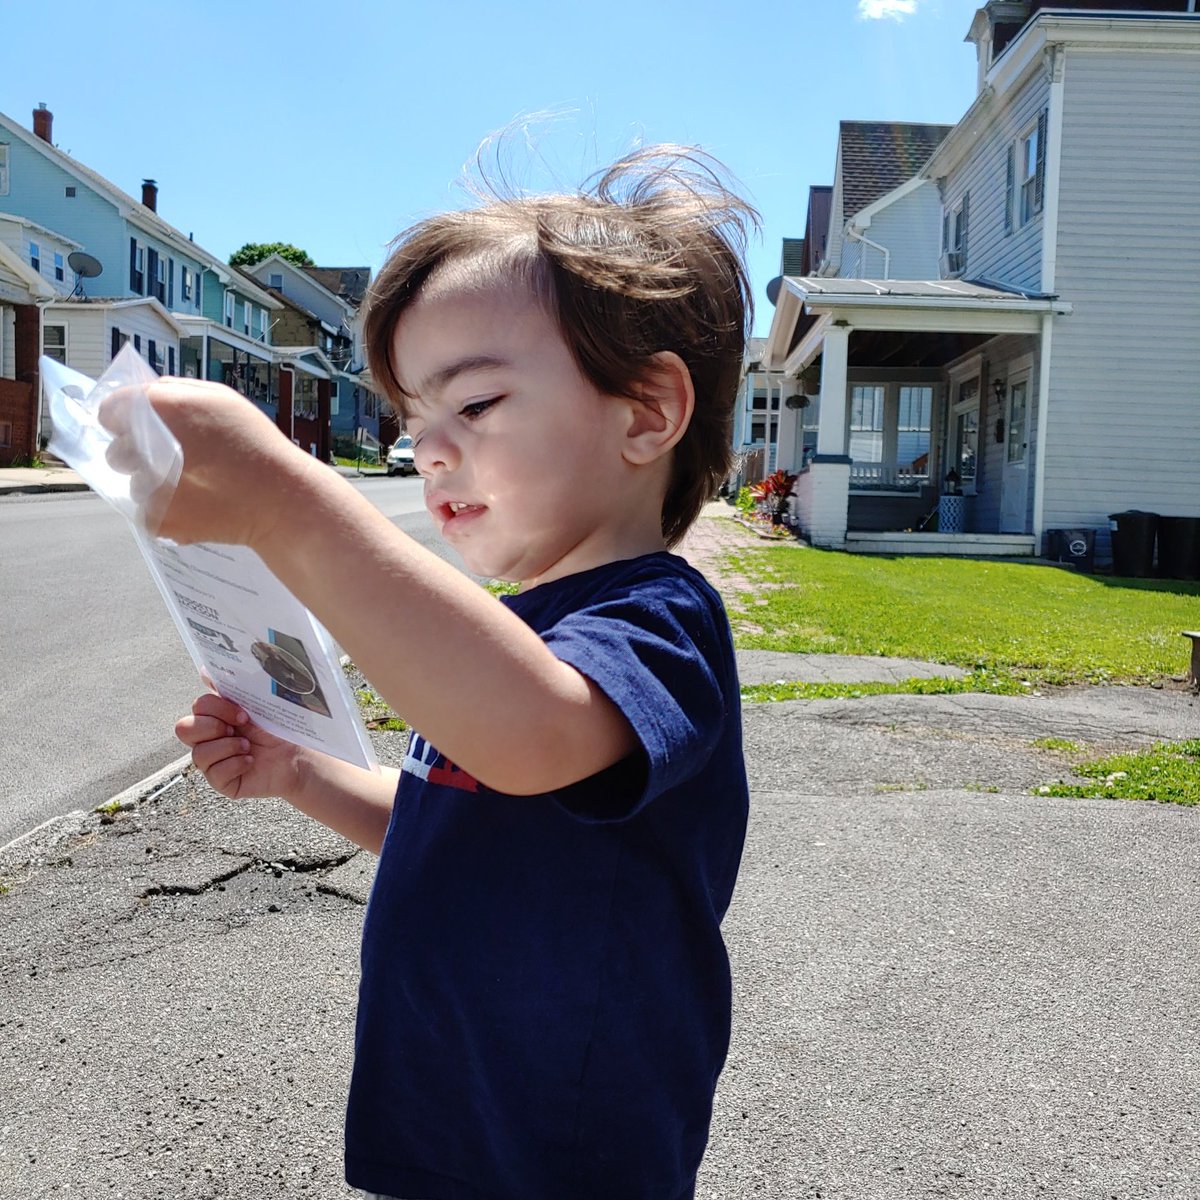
(945, 983)
(39, 479)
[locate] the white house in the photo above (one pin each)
(1055, 354)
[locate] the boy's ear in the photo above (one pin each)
(661, 410)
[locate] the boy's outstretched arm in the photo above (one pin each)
(239, 759)
(466, 672)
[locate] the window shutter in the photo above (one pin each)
(945, 230)
(151, 353)
(170, 283)
(962, 247)
(170, 360)
(137, 342)
(1009, 186)
(116, 341)
(1039, 184)
(133, 279)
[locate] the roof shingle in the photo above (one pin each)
(878, 156)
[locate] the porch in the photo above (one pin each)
(923, 385)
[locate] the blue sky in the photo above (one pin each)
(334, 125)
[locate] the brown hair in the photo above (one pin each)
(646, 258)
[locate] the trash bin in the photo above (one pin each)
(1074, 546)
(1133, 535)
(1179, 547)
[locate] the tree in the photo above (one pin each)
(254, 252)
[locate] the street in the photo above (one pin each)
(92, 671)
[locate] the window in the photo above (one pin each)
(246, 310)
(54, 342)
(70, 191)
(276, 280)
(304, 397)
(185, 283)
(371, 405)
(5, 433)
(3, 168)
(1026, 181)
(1018, 409)
(60, 272)
(118, 340)
(913, 426)
(158, 277)
(954, 236)
(866, 423)
(229, 310)
(964, 449)
(137, 267)
(35, 256)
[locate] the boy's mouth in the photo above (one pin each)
(451, 511)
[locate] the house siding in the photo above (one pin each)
(1123, 428)
(910, 229)
(38, 191)
(1011, 258)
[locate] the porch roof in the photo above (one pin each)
(809, 304)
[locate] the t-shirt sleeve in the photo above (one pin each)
(657, 653)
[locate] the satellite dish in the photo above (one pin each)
(85, 267)
(773, 288)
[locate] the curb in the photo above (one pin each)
(28, 489)
(155, 782)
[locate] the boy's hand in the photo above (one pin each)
(237, 757)
(238, 468)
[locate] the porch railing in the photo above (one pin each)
(884, 476)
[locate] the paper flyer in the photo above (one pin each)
(250, 638)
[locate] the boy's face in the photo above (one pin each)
(522, 457)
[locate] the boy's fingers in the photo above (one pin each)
(226, 775)
(114, 410)
(217, 753)
(191, 731)
(212, 705)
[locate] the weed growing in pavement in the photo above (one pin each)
(1169, 772)
(1054, 743)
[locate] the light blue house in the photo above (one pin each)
(121, 273)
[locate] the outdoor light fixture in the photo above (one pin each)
(998, 388)
(952, 482)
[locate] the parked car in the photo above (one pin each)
(400, 457)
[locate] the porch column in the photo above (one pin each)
(831, 430)
(825, 492)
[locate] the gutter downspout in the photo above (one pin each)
(1055, 64)
(855, 234)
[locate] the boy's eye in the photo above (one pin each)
(476, 408)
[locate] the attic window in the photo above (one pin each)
(70, 192)
(276, 280)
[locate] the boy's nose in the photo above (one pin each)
(436, 451)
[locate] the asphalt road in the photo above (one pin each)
(92, 672)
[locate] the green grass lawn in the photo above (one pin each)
(1168, 773)
(1015, 621)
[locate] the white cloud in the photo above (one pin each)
(873, 10)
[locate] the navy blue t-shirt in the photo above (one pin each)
(545, 997)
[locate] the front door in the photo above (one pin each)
(1014, 487)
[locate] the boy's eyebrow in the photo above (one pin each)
(460, 366)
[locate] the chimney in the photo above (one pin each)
(43, 120)
(150, 194)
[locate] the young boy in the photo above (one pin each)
(545, 998)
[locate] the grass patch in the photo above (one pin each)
(1169, 773)
(1064, 745)
(975, 681)
(1030, 623)
(373, 463)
